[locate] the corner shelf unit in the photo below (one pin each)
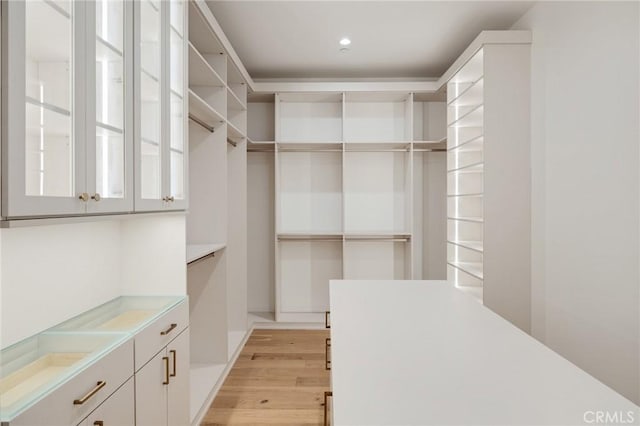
(216, 220)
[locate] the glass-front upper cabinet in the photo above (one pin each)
(66, 137)
(160, 136)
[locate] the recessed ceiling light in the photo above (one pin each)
(345, 41)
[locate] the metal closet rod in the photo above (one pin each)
(232, 142)
(201, 123)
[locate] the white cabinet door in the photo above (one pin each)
(160, 137)
(109, 115)
(43, 138)
(178, 400)
(151, 391)
(117, 410)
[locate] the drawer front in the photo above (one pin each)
(158, 334)
(117, 410)
(58, 408)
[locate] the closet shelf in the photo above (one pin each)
(373, 235)
(203, 378)
(234, 102)
(233, 132)
(472, 268)
(201, 73)
(468, 219)
(201, 109)
(472, 145)
(260, 146)
(469, 168)
(471, 245)
(310, 236)
(309, 146)
(475, 292)
(471, 95)
(428, 145)
(477, 194)
(198, 251)
(378, 146)
(473, 118)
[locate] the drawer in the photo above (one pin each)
(151, 339)
(117, 410)
(58, 408)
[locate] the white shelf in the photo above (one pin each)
(235, 339)
(467, 219)
(473, 118)
(381, 145)
(475, 144)
(201, 73)
(261, 318)
(309, 146)
(234, 102)
(472, 95)
(309, 236)
(198, 251)
(234, 132)
(202, 110)
(469, 168)
(472, 268)
(204, 378)
(471, 245)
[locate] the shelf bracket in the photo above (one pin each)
(201, 123)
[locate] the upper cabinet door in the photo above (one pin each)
(110, 115)
(178, 153)
(43, 105)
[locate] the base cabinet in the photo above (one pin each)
(162, 386)
(117, 410)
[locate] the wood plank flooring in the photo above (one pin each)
(278, 379)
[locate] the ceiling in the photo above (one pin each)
(390, 39)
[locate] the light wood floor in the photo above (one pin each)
(278, 379)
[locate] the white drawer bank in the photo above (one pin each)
(87, 371)
(425, 353)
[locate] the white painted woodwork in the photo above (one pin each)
(178, 389)
(448, 348)
(118, 409)
(151, 393)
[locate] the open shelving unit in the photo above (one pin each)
(216, 220)
(465, 177)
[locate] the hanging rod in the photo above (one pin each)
(430, 150)
(232, 142)
(201, 123)
(366, 240)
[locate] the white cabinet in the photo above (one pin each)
(117, 410)
(67, 133)
(159, 103)
(162, 386)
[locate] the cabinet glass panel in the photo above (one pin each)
(49, 144)
(150, 107)
(110, 98)
(176, 60)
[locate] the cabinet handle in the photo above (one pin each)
(168, 330)
(327, 394)
(96, 197)
(327, 324)
(327, 349)
(168, 199)
(92, 392)
(84, 197)
(166, 370)
(175, 357)
(98, 423)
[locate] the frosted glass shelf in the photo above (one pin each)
(198, 251)
(127, 314)
(471, 245)
(472, 268)
(36, 366)
(234, 102)
(201, 73)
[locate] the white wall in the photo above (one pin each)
(51, 273)
(585, 186)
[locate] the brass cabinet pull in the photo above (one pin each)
(169, 198)
(98, 423)
(166, 370)
(175, 357)
(327, 394)
(168, 330)
(84, 196)
(327, 324)
(327, 349)
(92, 392)
(96, 197)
